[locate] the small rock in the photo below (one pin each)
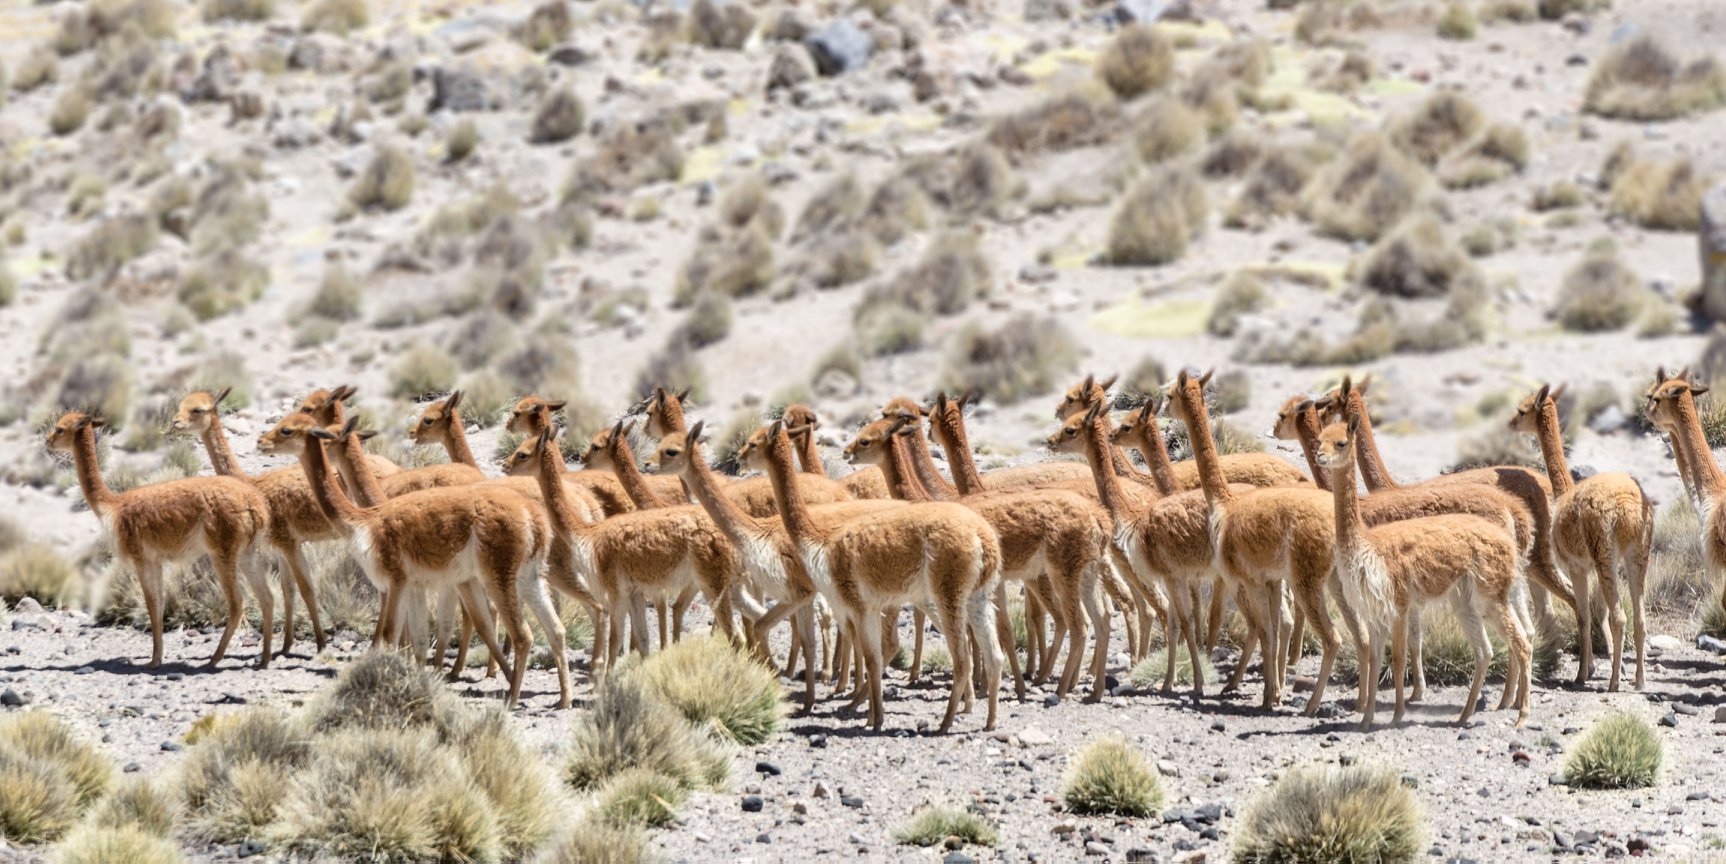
(1711, 644)
(957, 858)
(1669, 719)
(767, 769)
(1686, 709)
(570, 54)
(752, 804)
(1411, 781)
(1610, 420)
(1051, 700)
(1094, 848)
(1034, 737)
(1520, 758)
(249, 849)
(839, 47)
(1218, 726)
(1664, 642)
(1064, 827)
(851, 801)
(28, 606)
(1696, 796)
(1141, 855)
(1167, 768)
(790, 66)
(460, 90)
(1558, 779)
(172, 746)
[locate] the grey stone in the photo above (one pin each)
(9, 698)
(1669, 719)
(789, 67)
(1711, 644)
(1609, 420)
(460, 90)
(851, 801)
(28, 606)
(957, 858)
(570, 54)
(1686, 709)
(768, 769)
(249, 849)
(172, 746)
(753, 804)
(839, 48)
(1711, 244)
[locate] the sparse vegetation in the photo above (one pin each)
(630, 729)
(1642, 80)
(1620, 751)
(1273, 188)
(1322, 813)
(1441, 123)
(1023, 357)
(1232, 154)
(708, 321)
(933, 825)
(48, 777)
(629, 155)
(1600, 293)
(558, 118)
(1066, 121)
(747, 204)
(719, 24)
(1497, 152)
(1660, 195)
(709, 681)
(728, 263)
(99, 845)
(35, 570)
(1148, 673)
(1458, 21)
(548, 24)
(1241, 294)
(387, 183)
(1158, 218)
(1365, 192)
(1562, 195)
(974, 180)
(338, 295)
(137, 804)
(1417, 261)
(1111, 777)
(70, 110)
(462, 141)
(1167, 128)
(1138, 60)
(38, 67)
(238, 10)
(422, 369)
(952, 274)
(340, 17)
(598, 841)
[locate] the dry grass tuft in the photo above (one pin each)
(340, 17)
(1655, 194)
(70, 111)
(387, 183)
(974, 180)
(1158, 218)
(721, 24)
(1273, 188)
(137, 804)
(558, 118)
(1321, 813)
(40, 736)
(1643, 80)
(338, 295)
(709, 681)
(1167, 128)
(385, 690)
(1441, 123)
(548, 24)
(37, 803)
(100, 845)
(640, 796)
(1562, 195)
(230, 782)
(1148, 673)
(735, 263)
(1111, 777)
(35, 570)
(747, 204)
(422, 369)
(631, 154)
(1458, 21)
(1417, 261)
(1023, 357)
(38, 67)
(237, 10)
(932, 826)
(1232, 154)
(1063, 122)
(462, 141)
(597, 841)
(952, 273)
(1241, 294)
(1601, 293)
(1620, 751)
(1366, 191)
(1138, 60)
(629, 729)
(1497, 152)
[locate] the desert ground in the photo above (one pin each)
(585, 200)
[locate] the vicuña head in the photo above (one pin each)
(1128, 429)
(532, 413)
(664, 410)
(798, 414)
(1529, 410)
(752, 454)
(1287, 425)
(288, 438)
(1083, 395)
(434, 422)
(1186, 393)
(63, 435)
(1666, 395)
(874, 442)
(1336, 446)
(1070, 438)
(600, 454)
(326, 406)
(676, 449)
(197, 411)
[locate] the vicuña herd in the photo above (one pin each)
(839, 559)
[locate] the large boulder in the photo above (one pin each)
(1711, 239)
(839, 47)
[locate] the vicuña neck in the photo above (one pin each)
(1205, 450)
(923, 463)
(730, 518)
(1551, 436)
(222, 459)
(629, 474)
(1307, 428)
(549, 471)
(785, 492)
(95, 489)
(338, 509)
(896, 470)
(356, 471)
(1372, 469)
(455, 440)
(950, 428)
(1155, 449)
(809, 455)
(1098, 450)
(1707, 477)
(1349, 527)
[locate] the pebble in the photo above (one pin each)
(1065, 827)
(1167, 768)
(172, 746)
(957, 858)
(1669, 719)
(1141, 855)
(851, 801)
(1686, 709)
(249, 848)
(1034, 737)
(1218, 726)
(763, 838)
(768, 769)
(753, 803)
(1096, 849)
(11, 699)
(132, 768)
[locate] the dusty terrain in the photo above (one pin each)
(603, 310)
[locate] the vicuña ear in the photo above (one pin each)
(1085, 388)
(1541, 394)
(683, 395)
(898, 426)
(628, 427)
(694, 436)
(453, 401)
(970, 398)
(321, 433)
(1363, 385)
(556, 406)
(349, 427)
(1109, 381)
(777, 427)
(1697, 389)
(1354, 426)
(1305, 406)
(1205, 379)
(1659, 375)
(941, 401)
(1181, 379)
(1091, 415)
(1347, 386)
(617, 432)
(368, 434)
(343, 392)
(221, 396)
(1558, 392)
(544, 439)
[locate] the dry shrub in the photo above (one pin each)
(1513, 11)
(1324, 22)
(1458, 21)
(673, 367)
(1158, 218)
(1272, 188)
(1241, 294)
(630, 729)
(835, 261)
(1600, 293)
(974, 180)
(736, 263)
(1620, 751)
(889, 328)
(1553, 10)
(1023, 357)
(1562, 195)
(35, 570)
(225, 212)
(1417, 261)
(722, 24)
(548, 24)
(44, 738)
(598, 841)
(1366, 191)
(231, 782)
(462, 141)
(385, 690)
(340, 17)
(38, 67)
(422, 369)
(834, 208)
(225, 282)
(1063, 122)
(338, 295)
(640, 796)
(99, 845)
(1111, 777)
(631, 154)
(708, 322)
(952, 273)
(237, 10)
(710, 682)
(1441, 123)
(747, 204)
(1167, 128)
(932, 826)
(37, 804)
(70, 110)
(1322, 813)
(387, 183)
(1345, 74)
(1147, 674)
(1643, 80)
(139, 805)
(1232, 155)
(1138, 60)
(1660, 195)
(1497, 152)
(558, 118)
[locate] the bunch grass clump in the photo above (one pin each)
(230, 782)
(933, 825)
(558, 118)
(1158, 218)
(1021, 358)
(1367, 191)
(1442, 122)
(1417, 261)
(387, 183)
(951, 275)
(628, 728)
(1167, 128)
(35, 570)
(1319, 813)
(594, 840)
(94, 844)
(1066, 121)
(1620, 751)
(1498, 151)
(1111, 777)
(1663, 195)
(1458, 22)
(709, 681)
(1643, 80)
(48, 777)
(1601, 293)
(140, 805)
(1148, 673)
(1138, 60)
(1273, 188)
(640, 796)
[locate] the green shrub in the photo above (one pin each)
(1157, 218)
(1138, 60)
(1319, 813)
(1620, 751)
(709, 681)
(1642, 80)
(933, 825)
(1023, 357)
(1111, 777)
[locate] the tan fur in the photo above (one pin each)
(174, 523)
(938, 553)
(436, 538)
(1252, 469)
(1672, 408)
(1601, 527)
(1390, 571)
(864, 482)
(1265, 538)
(294, 515)
(664, 411)
(329, 408)
(530, 416)
(608, 448)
